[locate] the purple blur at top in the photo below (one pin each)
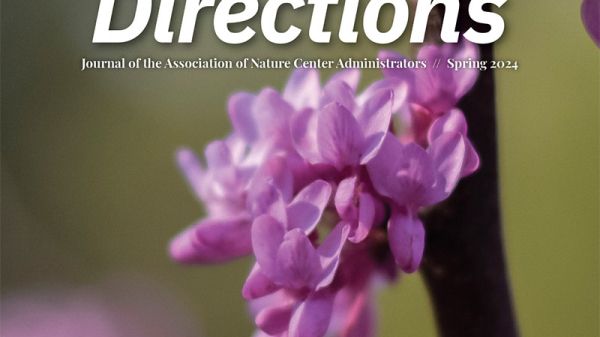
(590, 15)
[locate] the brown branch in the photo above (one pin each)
(464, 266)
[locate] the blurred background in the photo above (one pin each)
(90, 191)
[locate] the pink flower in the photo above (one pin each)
(323, 186)
(436, 89)
(348, 134)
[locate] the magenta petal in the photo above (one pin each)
(192, 170)
(303, 126)
(275, 319)
(279, 296)
(344, 198)
(448, 154)
(312, 317)
(376, 112)
(398, 86)
(355, 207)
(278, 172)
(240, 113)
(298, 264)
(402, 172)
(334, 242)
(383, 168)
(303, 89)
(453, 121)
(407, 240)
(339, 136)
(466, 78)
(471, 163)
(257, 285)
(270, 189)
(329, 252)
(439, 89)
(374, 117)
(267, 235)
(338, 92)
(305, 211)
(272, 114)
(217, 155)
(366, 218)
(212, 241)
(265, 198)
(590, 15)
(349, 76)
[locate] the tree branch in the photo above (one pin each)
(464, 266)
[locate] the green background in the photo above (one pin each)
(90, 189)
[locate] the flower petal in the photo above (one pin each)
(217, 155)
(402, 172)
(312, 317)
(466, 78)
(257, 284)
(272, 114)
(212, 241)
(240, 113)
(448, 154)
(453, 121)
(471, 163)
(270, 189)
(349, 76)
(275, 319)
(329, 252)
(399, 87)
(303, 127)
(355, 207)
(338, 92)
(344, 199)
(267, 235)
(298, 264)
(265, 198)
(303, 89)
(333, 244)
(366, 218)
(305, 211)
(192, 170)
(407, 239)
(439, 89)
(339, 136)
(374, 117)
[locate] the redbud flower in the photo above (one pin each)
(323, 189)
(436, 89)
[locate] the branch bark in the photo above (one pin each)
(464, 266)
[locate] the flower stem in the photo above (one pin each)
(464, 266)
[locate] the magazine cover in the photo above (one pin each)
(300, 168)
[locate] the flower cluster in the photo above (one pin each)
(323, 186)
